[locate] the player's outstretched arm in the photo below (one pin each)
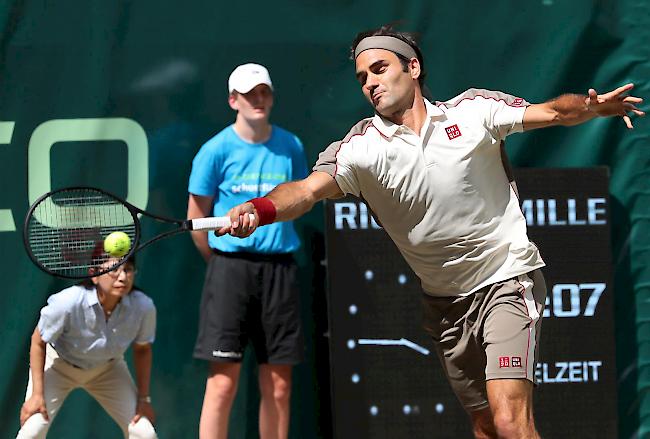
(572, 109)
(286, 202)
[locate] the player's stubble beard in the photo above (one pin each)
(393, 107)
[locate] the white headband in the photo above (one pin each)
(385, 42)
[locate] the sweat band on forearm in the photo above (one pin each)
(265, 210)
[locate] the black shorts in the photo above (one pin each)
(250, 297)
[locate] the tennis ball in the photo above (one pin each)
(117, 244)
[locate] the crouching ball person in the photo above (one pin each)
(79, 342)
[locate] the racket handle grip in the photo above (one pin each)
(212, 223)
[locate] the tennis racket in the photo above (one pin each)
(65, 229)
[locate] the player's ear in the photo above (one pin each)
(94, 280)
(414, 68)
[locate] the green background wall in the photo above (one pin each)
(164, 64)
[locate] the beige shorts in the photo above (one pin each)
(491, 334)
(110, 384)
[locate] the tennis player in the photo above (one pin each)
(436, 176)
(80, 341)
(250, 294)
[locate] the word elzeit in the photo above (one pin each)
(551, 212)
(568, 372)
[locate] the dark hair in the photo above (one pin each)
(408, 37)
(88, 283)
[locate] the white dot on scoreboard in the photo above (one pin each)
(440, 408)
(401, 279)
(369, 275)
(356, 378)
(406, 409)
(374, 410)
(351, 344)
(353, 309)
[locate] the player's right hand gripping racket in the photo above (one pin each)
(65, 229)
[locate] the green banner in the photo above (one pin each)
(120, 95)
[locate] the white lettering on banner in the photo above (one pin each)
(7, 223)
(47, 134)
(264, 188)
(566, 300)
(539, 212)
(353, 216)
(568, 372)
(542, 212)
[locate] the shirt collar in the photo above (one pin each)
(126, 300)
(388, 128)
(92, 299)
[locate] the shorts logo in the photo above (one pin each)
(223, 354)
(516, 361)
(504, 362)
(518, 102)
(453, 132)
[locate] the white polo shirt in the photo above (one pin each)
(442, 195)
(74, 323)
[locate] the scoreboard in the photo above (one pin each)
(386, 378)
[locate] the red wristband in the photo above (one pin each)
(265, 210)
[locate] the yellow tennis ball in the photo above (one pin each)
(117, 244)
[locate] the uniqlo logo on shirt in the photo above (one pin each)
(516, 361)
(453, 132)
(518, 102)
(504, 362)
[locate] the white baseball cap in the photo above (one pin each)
(246, 76)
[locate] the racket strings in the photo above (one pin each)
(66, 231)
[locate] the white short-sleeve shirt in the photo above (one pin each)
(74, 323)
(443, 195)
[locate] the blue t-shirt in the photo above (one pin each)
(234, 171)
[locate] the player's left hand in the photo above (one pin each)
(144, 409)
(615, 103)
(35, 404)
